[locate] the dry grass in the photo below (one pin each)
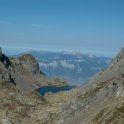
(100, 114)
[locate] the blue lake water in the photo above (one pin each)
(54, 89)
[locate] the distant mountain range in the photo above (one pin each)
(74, 67)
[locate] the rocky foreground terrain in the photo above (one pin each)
(100, 102)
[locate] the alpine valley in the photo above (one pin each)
(101, 101)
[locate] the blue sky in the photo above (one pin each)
(91, 26)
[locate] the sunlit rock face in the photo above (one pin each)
(30, 63)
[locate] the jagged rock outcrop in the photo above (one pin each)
(5, 69)
(30, 63)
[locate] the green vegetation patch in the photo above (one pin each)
(1, 71)
(117, 113)
(121, 109)
(114, 116)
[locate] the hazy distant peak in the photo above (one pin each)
(72, 53)
(91, 55)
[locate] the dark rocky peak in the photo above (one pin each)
(5, 68)
(4, 59)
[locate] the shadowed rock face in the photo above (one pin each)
(6, 65)
(5, 60)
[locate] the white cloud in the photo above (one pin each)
(53, 64)
(67, 65)
(76, 54)
(78, 60)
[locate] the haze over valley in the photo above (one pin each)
(74, 67)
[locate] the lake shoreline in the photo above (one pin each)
(54, 89)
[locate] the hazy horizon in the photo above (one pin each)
(91, 26)
(16, 51)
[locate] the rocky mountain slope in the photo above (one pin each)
(104, 96)
(19, 102)
(100, 102)
(24, 72)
